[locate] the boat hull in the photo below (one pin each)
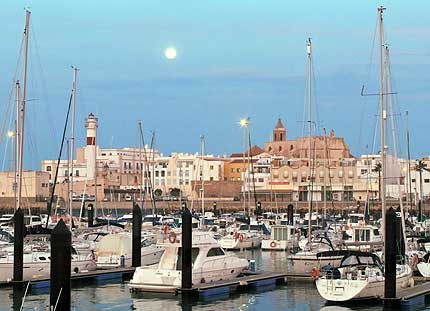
(304, 263)
(340, 290)
(42, 270)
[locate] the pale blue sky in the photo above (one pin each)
(235, 59)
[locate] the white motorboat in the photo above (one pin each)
(359, 276)
(115, 250)
(246, 237)
(210, 263)
(282, 238)
(37, 264)
(363, 237)
(424, 266)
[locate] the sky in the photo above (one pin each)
(235, 59)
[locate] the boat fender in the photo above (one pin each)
(315, 273)
(172, 237)
(166, 229)
(273, 244)
(415, 260)
(241, 237)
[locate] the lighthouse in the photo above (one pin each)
(91, 124)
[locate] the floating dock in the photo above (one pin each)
(249, 281)
(104, 276)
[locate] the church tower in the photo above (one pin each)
(279, 133)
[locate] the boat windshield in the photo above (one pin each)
(356, 260)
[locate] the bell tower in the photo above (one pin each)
(279, 133)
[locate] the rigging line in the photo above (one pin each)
(368, 79)
(44, 94)
(12, 88)
(5, 154)
(375, 132)
(58, 161)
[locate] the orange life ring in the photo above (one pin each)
(273, 244)
(172, 237)
(315, 273)
(241, 237)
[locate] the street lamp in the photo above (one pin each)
(244, 123)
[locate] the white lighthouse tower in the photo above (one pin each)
(91, 124)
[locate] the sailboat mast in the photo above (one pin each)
(16, 143)
(22, 112)
(325, 176)
(139, 125)
(394, 137)
(383, 117)
(309, 69)
(72, 139)
(409, 159)
(202, 179)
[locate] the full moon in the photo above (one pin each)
(170, 53)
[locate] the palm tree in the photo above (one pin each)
(378, 169)
(420, 166)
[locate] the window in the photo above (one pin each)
(157, 174)
(215, 252)
(260, 179)
(280, 148)
(211, 167)
(48, 168)
(211, 178)
(426, 181)
(363, 172)
(238, 170)
(66, 173)
(413, 179)
(280, 138)
(232, 170)
(77, 173)
(163, 173)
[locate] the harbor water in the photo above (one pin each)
(116, 296)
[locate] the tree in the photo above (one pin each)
(158, 192)
(378, 169)
(420, 166)
(175, 192)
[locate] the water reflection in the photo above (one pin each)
(116, 297)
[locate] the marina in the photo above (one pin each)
(300, 222)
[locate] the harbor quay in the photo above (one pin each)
(223, 205)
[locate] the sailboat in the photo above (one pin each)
(361, 275)
(306, 261)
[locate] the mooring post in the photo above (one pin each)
(186, 240)
(18, 258)
(136, 248)
(61, 265)
(399, 232)
(390, 256)
(420, 211)
(90, 215)
(18, 245)
(290, 214)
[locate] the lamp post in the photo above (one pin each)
(244, 123)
